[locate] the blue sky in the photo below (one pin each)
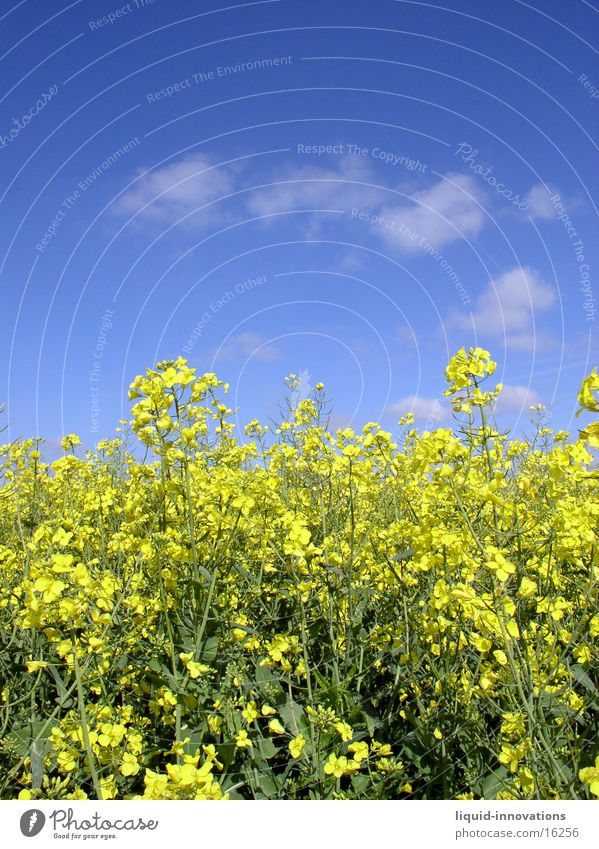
(345, 191)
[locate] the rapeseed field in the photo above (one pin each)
(289, 613)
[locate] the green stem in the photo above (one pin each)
(84, 726)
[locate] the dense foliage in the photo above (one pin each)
(300, 614)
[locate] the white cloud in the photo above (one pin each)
(437, 216)
(351, 261)
(433, 217)
(422, 408)
(509, 306)
(443, 213)
(539, 202)
(171, 191)
(248, 345)
(516, 399)
(317, 187)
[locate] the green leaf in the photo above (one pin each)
(266, 679)
(292, 715)
(25, 735)
(198, 585)
(360, 782)
(583, 679)
(267, 747)
(210, 649)
(226, 754)
(266, 784)
(404, 555)
(245, 628)
(60, 685)
(492, 784)
(245, 574)
(371, 720)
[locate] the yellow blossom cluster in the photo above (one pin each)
(191, 613)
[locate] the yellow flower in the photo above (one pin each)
(129, 766)
(250, 712)
(275, 726)
(66, 761)
(155, 784)
(111, 735)
(511, 626)
(178, 747)
(215, 724)
(586, 394)
(211, 756)
(483, 644)
(344, 730)
(183, 774)
(590, 775)
(360, 751)
(464, 367)
(296, 746)
(340, 766)
(62, 537)
(242, 741)
(194, 668)
(35, 665)
(591, 434)
(382, 749)
(109, 787)
(527, 588)
(512, 754)
(527, 780)
(298, 538)
(50, 587)
(497, 563)
(581, 653)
